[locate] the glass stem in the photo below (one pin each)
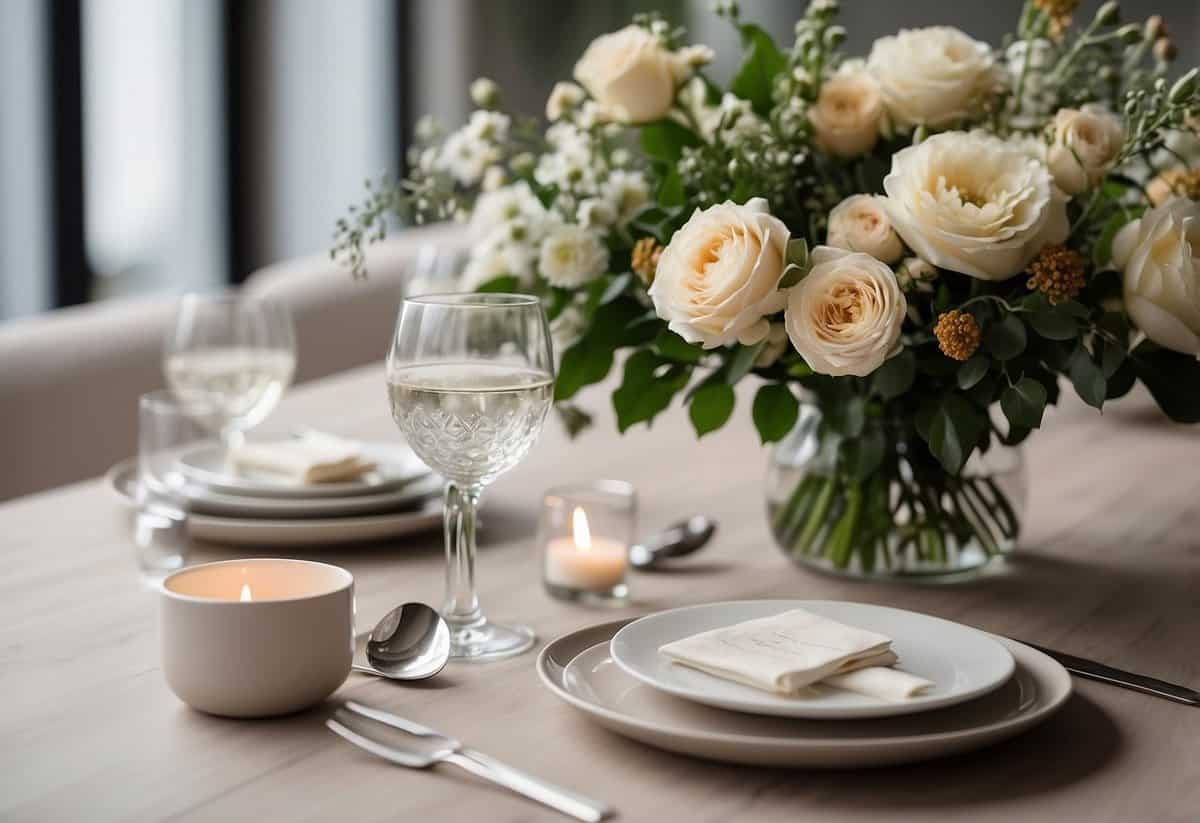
(461, 608)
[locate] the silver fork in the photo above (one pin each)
(443, 749)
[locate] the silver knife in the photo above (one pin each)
(1118, 677)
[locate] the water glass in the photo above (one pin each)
(166, 429)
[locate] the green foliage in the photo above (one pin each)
(895, 376)
(673, 347)
(775, 411)
(1023, 403)
(972, 371)
(760, 65)
(665, 141)
(589, 360)
(504, 284)
(1086, 377)
(1005, 339)
(647, 387)
(954, 431)
(711, 406)
(1173, 379)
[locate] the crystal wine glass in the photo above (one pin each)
(228, 359)
(470, 378)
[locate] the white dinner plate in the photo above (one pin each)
(293, 531)
(580, 670)
(395, 465)
(203, 500)
(962, 662)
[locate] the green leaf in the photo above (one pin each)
(574, 419)
(1086, 377)
(505, 283)
(972, 371)
(589, 360)
(954, 432)
(760, 65)
(671, 193)
(895, 375)
(665, 140)
(1052, 324)
(1006, 339)
(1173, 379)
(673, 347)
(742, 361)
(1120, 382)
(863, 455)
(646, 388)
(712, 404)
(1023, 403)
(775, 411)
(847, 417)
(1102, 252)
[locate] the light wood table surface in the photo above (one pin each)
(1109, 568)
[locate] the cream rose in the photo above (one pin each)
(1086, 141)
(632, 76)
(974, 204)
(718, 279)
(1160, 255)
(846, 116)
(934, 76)
(845, 316)
(860, 223)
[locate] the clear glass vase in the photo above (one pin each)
(907, 518)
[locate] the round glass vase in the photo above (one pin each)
(908, 519)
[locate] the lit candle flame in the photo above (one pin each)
(583, 536)
(246, 597)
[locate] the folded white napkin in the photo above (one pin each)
(313, 457)
(789, 651)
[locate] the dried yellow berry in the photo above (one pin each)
(1183, 182)
(1060, 13)
(957, 334)
(645, 258)
(1058, 273)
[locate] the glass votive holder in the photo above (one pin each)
(584, 536)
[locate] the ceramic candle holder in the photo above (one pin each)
(259, 637)
(584, 534)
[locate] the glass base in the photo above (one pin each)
(615, 596)
(489, 641)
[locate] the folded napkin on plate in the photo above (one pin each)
(795, 649)
(313, 457)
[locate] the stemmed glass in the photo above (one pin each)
(228, 359)
(470, 378)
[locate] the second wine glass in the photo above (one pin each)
(470, 379)
(228, 360)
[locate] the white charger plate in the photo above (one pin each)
(579, 669)
(203, 500)
(962, 662)
(282, 531)
(395, 465)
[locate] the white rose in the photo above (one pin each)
(718, 279)
(845, 316)
(974, 204)
(1160, 255)
(860, 223)
(934, 76)
(571, 256)
(563, 97)
(915, 273)
(631, 75)
(847, 114)
(1086, 141)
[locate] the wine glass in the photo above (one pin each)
(228, 359)
(470, 378)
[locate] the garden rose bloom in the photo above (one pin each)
(1160, 255)
(847, 113)
(845, 316)
(632, 76)
(974, 203)
(1086, 141)
(860, 223)
(933, 76)
(718, 279)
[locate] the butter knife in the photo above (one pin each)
(1118, 677)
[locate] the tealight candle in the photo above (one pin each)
(585, 533)
(259, 637)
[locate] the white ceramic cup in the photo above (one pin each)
(257, 637)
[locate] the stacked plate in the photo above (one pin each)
(399, 497)
(987, 689)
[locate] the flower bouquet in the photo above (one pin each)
(912, 253)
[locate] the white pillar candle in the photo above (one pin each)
(584, 562)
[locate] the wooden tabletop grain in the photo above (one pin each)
(1109, 567)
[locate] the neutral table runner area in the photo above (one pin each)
(1109, 568)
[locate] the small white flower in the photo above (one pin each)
(571, 256)
(485, 92)
(494, 178)
(628, 191)
(466, 157)
(488, 125)
(620, 157)
(595, 212)
(426, 128)
(563, 98)
(506, 204)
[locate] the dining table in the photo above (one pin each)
(1107, 567)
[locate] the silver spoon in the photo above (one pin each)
(411, 642)
(682, 538)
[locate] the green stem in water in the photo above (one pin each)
(841, 539)
(816, 517)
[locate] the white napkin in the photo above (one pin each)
(792, 650)
(313, 457)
